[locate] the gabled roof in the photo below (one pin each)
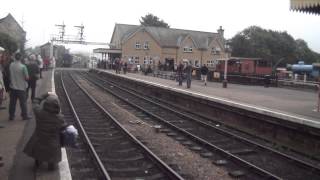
(122, 30)
(45, 44)
(184, 38)
(165, 37)
(9, 16)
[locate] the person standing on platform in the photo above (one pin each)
(2, 89)
(188, 71)
(33, 70)
(180, 73)
(204, 72)
(125, 67)
(40, 64)
(18, 86)
(44, 144)
(117, 65)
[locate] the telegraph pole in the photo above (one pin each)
(80, 31)
(62, 38)
(62, 30)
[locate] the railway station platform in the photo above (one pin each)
(15, 134)
(297, 106)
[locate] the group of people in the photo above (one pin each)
(18, 76)
(186, 69)
(118, 65)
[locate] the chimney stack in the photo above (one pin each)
(221, 31)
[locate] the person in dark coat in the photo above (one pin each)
(117, 66)
(125, 67)
(204, 72)
(180, 73)
(34, 75)
(45, 145)
(188, 70)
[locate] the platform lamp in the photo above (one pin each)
(227, 52)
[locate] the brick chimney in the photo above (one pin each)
(221, 31)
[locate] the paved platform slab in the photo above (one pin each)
(13, 137)
(294, 105)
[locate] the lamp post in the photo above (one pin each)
(227, 51)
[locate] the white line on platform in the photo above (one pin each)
(285, 116)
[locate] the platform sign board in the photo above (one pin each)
(216, 75)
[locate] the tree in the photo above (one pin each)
(305, 54)
(8, 43)
(151, 20)
(271, 45)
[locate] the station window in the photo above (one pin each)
(138, 45)
(187, 49)
(147, 60)
(146, 45)
(210, 63)
(136, 60)
(262, 63)
(196, 63)
(215, 50)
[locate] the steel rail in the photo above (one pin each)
(91, 148)
(166, 169)
(209, 145)
(222, 131)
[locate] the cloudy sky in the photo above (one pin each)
(38, 17)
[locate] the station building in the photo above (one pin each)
(9, 26)
(58, 51)
(151, 46)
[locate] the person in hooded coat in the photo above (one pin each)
(44, 145)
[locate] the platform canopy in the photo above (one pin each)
(105, 50)
(308, 6)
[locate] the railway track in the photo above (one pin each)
(82, 164)
(116, 153)
(241, 156)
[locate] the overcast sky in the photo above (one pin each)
(38, 18)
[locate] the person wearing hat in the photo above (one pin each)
(44, 145)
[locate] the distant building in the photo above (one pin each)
(8, 25)
(146, 45)
(58, 52)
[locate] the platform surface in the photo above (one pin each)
(294, 105)
(15, 134)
